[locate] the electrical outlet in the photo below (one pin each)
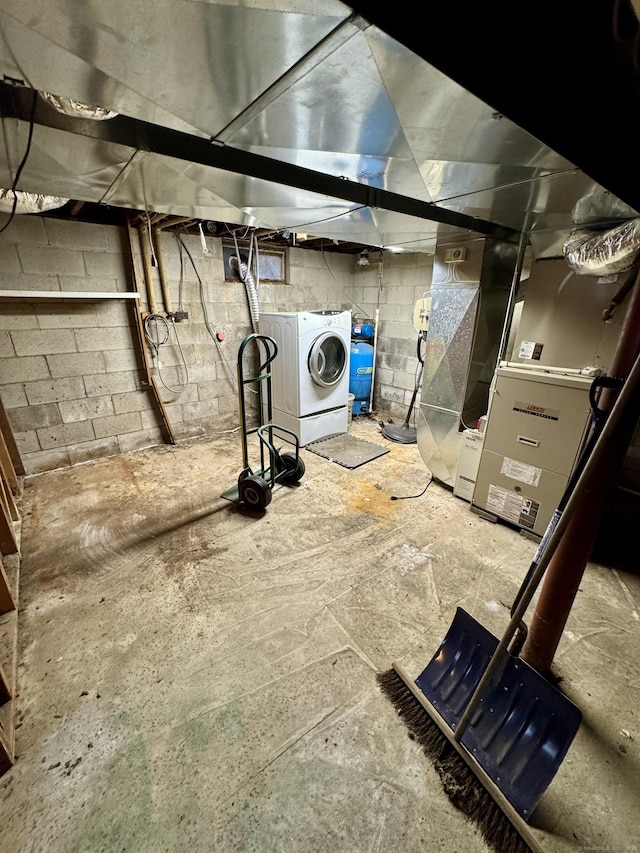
(454, 256)
(180, 315)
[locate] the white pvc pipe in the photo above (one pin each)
(373, 370)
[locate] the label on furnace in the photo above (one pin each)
(512, 507)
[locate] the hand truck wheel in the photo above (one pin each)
(255, 492)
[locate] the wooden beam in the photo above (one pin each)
(12, 447)
(8, 541)
(139, 326)
(5, 687)
(7, 602)
(6, 466)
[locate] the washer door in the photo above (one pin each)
(327, 360)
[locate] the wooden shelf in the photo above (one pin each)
(89, 295)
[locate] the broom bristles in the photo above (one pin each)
(459, 782)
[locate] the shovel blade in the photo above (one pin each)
(523, 726)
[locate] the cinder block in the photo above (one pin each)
(24, 369)
(6, 345)
(384, 376)
(65, 434)
(34, 417)
(76, 284)
(151, 419)
(111, 383)
(61, 315)
(115, 313)
(202, 370)
(81, 410)
(117, 240)
(133, 401)
(92, 450)
(13, 396)
(43, 342)
(106, 265)
(120, 361)
(185, 430)
(9, 261)
(206, 391)
(201, 410)
(103, 339)
(27, 442)
(54, 390)
(117, 424)
(76, 364)
(403, 380)
(24, 229)
(228, 406)
(391, 394)
(76, 235)
(139, 440)
(46, 460)
(50, 260)
(17, 315)
(22, 281)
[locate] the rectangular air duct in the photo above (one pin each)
(469, 304)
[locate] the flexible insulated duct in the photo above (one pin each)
(16, 201)
(605, 253)
(250, 286)
(69, 107)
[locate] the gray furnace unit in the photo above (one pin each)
(537, 425)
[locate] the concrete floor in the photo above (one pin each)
(193, 678)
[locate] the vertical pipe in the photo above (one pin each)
(568, 563)
(373, 366)
(515, 283)
(145, 247)
(162, 272)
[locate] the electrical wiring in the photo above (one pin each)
(23, 162)
(411, 497)
(153, 323)
(232, 376)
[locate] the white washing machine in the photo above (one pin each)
(310, 375)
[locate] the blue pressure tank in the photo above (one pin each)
(360, 376)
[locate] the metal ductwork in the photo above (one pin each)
(469, 306)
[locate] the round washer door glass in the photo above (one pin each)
(327, 359)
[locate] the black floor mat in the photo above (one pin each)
(346, 450)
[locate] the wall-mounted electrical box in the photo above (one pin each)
(421, 313)
(454, 256)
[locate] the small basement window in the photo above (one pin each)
(272, 264)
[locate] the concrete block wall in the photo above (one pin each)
(393, 290)
(65, 364)
(72, 374)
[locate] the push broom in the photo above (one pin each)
(496, 729)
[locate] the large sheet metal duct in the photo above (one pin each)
(321, 96)
(469, 304)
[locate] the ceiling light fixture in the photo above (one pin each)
(363, 260)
